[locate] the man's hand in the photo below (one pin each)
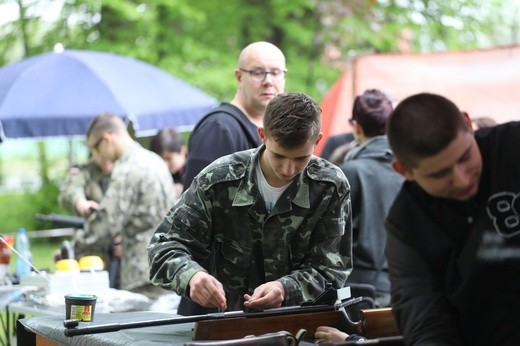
(207, 291)
(269, 295)
(330, 334)
(86, 207)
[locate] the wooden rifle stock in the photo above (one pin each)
(376, 323)
(236, 328)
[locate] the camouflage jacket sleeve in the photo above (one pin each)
(184, 230)
(76, 184)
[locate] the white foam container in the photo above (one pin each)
(68, 282)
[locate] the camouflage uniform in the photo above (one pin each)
(304, 243)
(86, 181)
(140, 192)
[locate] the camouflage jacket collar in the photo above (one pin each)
(247, 193)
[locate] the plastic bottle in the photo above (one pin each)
(24, 259)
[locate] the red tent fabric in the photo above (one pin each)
(482, 82)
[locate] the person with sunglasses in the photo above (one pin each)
(139, 192)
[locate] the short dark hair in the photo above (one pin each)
(371, 110)
(106, 122)
(421, 126)
(167, 139)
(292, 119)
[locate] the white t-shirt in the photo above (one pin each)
(268, 192)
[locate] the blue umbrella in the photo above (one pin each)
(57, 94)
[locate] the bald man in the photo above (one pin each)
(233, 126)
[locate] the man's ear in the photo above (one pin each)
(261, 133)
(238, 75)
(401, 169)
(467, 121)
(319, 138)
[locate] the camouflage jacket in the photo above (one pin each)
(85, 181)
(221, 226)
(140, 192)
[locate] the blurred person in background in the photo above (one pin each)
(169, 145)
(374, 185)
(337, 146)
(140, 191)
(85, 186)
(482, 122)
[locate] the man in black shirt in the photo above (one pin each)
(454, 227)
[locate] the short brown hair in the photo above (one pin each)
(292, 119)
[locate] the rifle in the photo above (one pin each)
(62, 220)
(265, 321)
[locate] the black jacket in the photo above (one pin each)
(453, 279)
(223, 131)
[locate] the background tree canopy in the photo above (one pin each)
(199, 41)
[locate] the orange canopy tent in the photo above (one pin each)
(481, 82)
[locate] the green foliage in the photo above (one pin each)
(19, 210)
(14, 212)
(198, 41)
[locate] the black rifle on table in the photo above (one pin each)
(62, 220)
(330, 300)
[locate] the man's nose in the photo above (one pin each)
(289, 168)
(461, 176)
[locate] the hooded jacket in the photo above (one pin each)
(374, 185)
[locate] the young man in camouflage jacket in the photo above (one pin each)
(260, 228)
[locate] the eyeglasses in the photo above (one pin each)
(98, 143)
(260, 75)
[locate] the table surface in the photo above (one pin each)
(51, 327)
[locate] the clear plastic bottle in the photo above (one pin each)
(24, 257)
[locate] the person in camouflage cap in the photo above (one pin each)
(260, 228)
(140, 191)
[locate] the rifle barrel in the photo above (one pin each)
(63, 220)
